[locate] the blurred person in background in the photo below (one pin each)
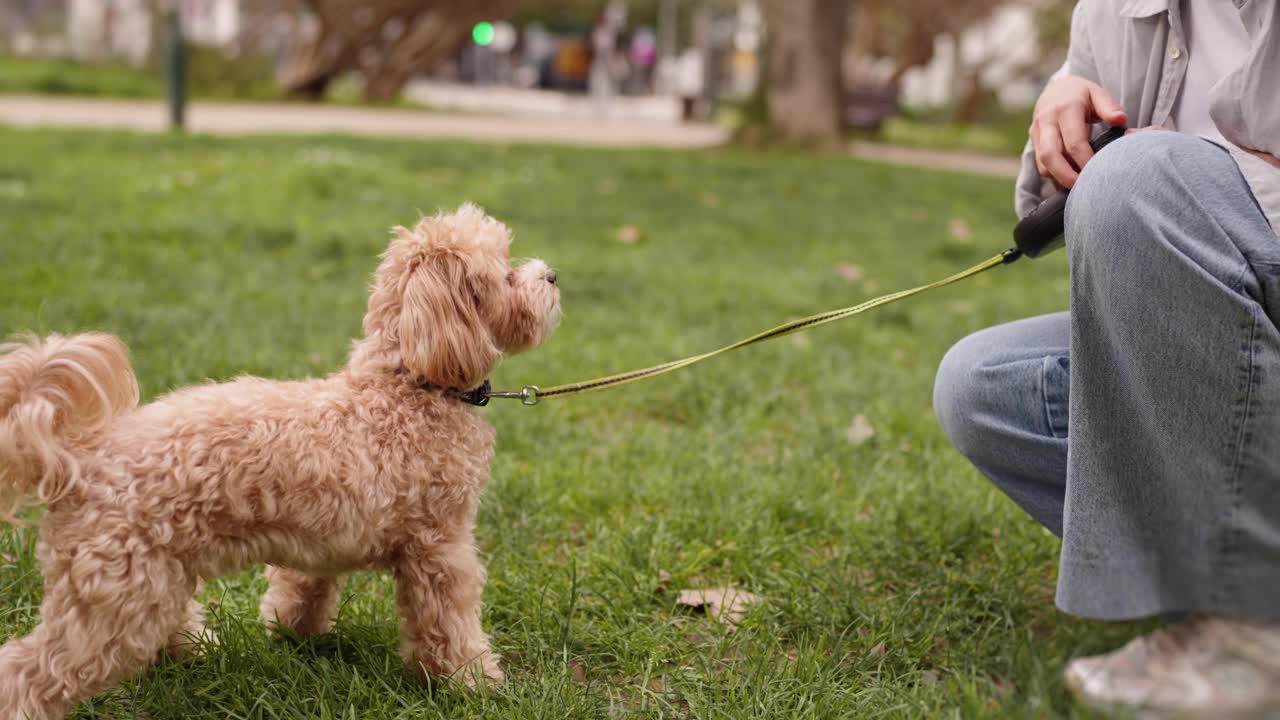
(690, 79)
(538, 48)
(1143, 427)
(604, 38)
(643, 56)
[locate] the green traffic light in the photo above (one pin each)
(483, 33)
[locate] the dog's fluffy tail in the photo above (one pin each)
(56, 394)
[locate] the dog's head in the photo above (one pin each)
(446, 302)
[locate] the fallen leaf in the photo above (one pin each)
(629, 234)
(880, 650)
(959, 230)
(664, 580)
(852, 273)
(1002, 687)
(860, 431)
(578, 671)
(995, 532)
(726, 604)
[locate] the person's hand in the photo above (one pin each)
(1060, 126)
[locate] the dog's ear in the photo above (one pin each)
(443, 336)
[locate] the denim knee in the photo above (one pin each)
(1122, 189)
(961, 392)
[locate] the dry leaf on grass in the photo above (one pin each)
(852, 273)
(880, 650)
(629, 234)
(860, 431)
(959, 230)
(664, 580)
(726, 604)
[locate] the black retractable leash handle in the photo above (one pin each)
(1041, 231)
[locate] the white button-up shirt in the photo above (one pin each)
(1136, 50)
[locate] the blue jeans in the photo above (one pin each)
(1143, 427)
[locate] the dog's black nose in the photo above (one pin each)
(551, 277)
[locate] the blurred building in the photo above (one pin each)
(32, 27)
(108, 28)
(111, 29)
(1004, 51)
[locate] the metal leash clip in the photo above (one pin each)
(528, 395)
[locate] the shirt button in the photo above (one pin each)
(1176, 53)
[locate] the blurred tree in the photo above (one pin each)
(1054, 23)
(804, 87)
(386, 41)
(575, 14)
(905, 32)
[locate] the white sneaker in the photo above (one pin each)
(1204, 667)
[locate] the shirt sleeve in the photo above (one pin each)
(1245, 105)
(1030, 189)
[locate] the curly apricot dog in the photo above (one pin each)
(380, 465)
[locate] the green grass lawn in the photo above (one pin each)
(893, 580)
(65, 77)
(1003, 136)
(210, 76)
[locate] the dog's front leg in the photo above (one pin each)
(438, 588)
(306, 604)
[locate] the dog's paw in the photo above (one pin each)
(483, 672)
(185, 646)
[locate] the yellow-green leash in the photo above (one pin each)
(532, 394)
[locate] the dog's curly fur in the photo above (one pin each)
(379, 465)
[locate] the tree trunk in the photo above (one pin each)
(358, 35)
(974, 97)
(314, 65)
(805, 84)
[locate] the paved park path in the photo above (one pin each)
(243, 118)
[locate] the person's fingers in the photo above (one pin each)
(1049, 152)
(1106, 108)
(1035, 147)
(1075, 136)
